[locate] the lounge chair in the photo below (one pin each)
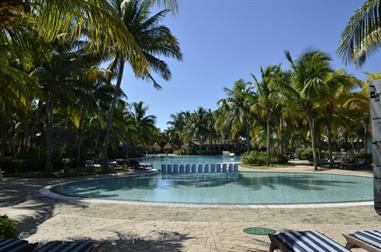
(306, 241)
(74, 246)
(134, 164)
(368, 240)
(16, 245)
(358, 164)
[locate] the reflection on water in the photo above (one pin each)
(240, 188)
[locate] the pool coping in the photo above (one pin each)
(47, 191)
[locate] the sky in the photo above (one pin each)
(226, 40)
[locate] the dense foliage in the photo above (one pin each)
(260, 158)
(61, 71)
(61, 68)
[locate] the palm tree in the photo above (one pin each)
(235, 119)
(307, 88)
(264, 90)
(152, 39)
(144, 124)
(70, 20)
(56, 70)
(176, 126)
(362, 34)
(339, 87)
(197, 126)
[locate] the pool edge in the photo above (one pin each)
(47, 191)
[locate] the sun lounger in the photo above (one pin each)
(75, 246)
(306, 241)
(358, 164)
(16, 245)
(368, 240)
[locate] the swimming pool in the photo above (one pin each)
(246, 188)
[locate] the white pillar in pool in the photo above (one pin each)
(375, 104)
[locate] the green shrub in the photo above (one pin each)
(179, 152)
(254, 157)
(7, 227)
(304, 153)
(196, 151)
(278, 159)
(364, 156)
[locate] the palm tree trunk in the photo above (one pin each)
(365, 139)
(281, 137)
(110, 115)
(329, 135)
(313, 138)
(48, 137)
(79, 143)
(3, 135)
(268, 138)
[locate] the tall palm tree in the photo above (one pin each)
(152, 38)
(307, 88)
(56, 70)
(362, 34)
(339, 87)
(235, 120)
(176, 126)
(264, 90)
(144, 124)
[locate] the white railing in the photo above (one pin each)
(199, 168)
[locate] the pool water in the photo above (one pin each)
(239, 188)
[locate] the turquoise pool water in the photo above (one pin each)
(240, 188)
(187, 159)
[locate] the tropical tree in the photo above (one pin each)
(55, 68)
(176, 126)
(235, 120)
(339, 85)
(151, 38)
(264, 90)
(307, 89)
(143, 124)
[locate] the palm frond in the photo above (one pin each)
(362, 34)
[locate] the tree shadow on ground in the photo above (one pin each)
(23, 195)
(158, 241)
(305, 182)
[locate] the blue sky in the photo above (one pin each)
(226, 40)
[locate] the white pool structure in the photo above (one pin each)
(241, 189)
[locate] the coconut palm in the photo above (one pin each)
(235, 120)
(362, 34)
(144, 124)
(176, 126)
(307, 89)
(152, 39)
(339, 86)
(264, 90)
